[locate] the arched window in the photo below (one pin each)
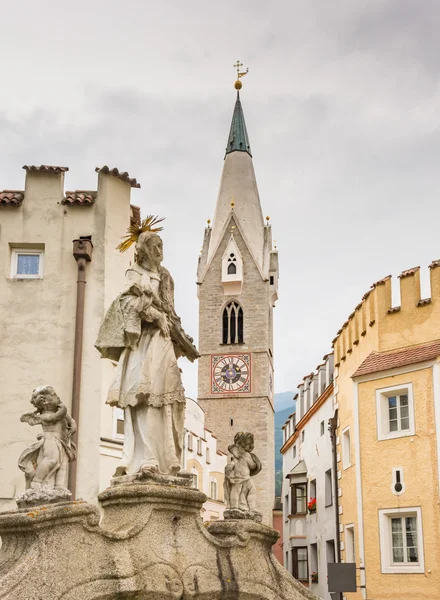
(232, 264)
(233, 324)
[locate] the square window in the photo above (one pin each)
(213, 490)
(395, 412)
(27, 263)
(346, 448)
(300, 566)
(350, 549)
(328, 488)
(299, 499)
(401, 540)
(118, 423)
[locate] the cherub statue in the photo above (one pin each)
(45, 463)
(239, 487)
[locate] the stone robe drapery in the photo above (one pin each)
(147, 383)
(63, 451)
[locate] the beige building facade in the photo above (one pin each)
(237, 288)
(38, 302)
(388, 400)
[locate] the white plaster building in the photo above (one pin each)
(39, 269)
(200, 457)
(310, 538)
(237, 282)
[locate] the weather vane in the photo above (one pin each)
(238, 85)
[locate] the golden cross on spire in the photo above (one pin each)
(241, 74)
(237, 66)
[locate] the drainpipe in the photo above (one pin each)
(82, 252)
(333, 424)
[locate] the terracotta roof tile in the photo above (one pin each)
(381, 281)
(44, 169)
(123, 176)
(79, 198)
(424, 301)
(394, 309)
(434, 264)
(11, 198)
(409, 272)
(382, 361)
(135, 215)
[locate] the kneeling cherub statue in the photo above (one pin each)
(239, 488)
(45, 463)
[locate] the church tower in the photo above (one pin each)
(237, 282)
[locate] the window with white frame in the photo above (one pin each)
(346, 448)
(213, 489)
(395, 412)
(195, 477)
(199, 446)
(27, 263)
(328, 488)
(208, 455)
(118, 423)
(350, 549)
(401, 540)
(190, 441)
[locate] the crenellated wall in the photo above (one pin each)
(379, 330)
(386, 326)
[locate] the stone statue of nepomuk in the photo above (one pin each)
(45, 463)
(142, 331)
(240, 494)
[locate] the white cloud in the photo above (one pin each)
(341, 105)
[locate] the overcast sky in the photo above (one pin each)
(342, 104)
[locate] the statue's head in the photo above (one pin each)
(44, 398)
(149, 248)
(245, 440)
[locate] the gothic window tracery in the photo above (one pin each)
(233, 324)
(232, 264)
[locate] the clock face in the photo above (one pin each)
(231, 373)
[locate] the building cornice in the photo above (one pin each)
(306, 418)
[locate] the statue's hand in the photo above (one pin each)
(163, 325)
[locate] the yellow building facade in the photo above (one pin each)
(387, 396)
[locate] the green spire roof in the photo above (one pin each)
(238, 135)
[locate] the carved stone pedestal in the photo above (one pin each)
(148, 543)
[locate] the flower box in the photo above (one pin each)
(311, 506)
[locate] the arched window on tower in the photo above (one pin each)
(232, 264)
(233, 324)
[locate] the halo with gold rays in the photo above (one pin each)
(134, 231)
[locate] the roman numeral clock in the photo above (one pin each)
(230, 373)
